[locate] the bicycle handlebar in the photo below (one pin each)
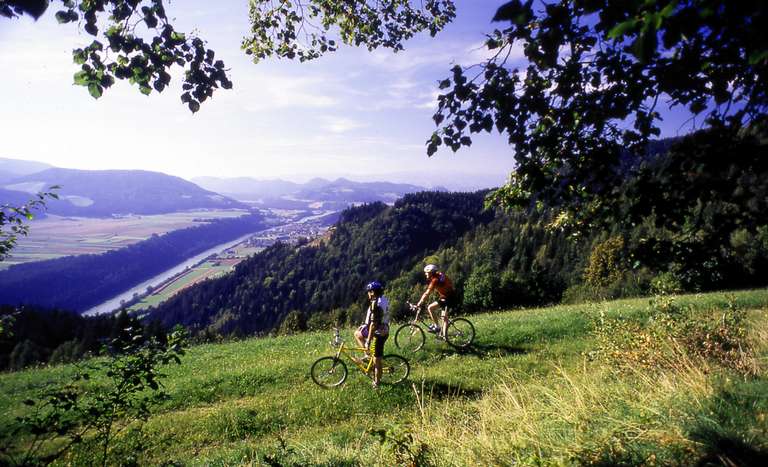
(415, 308)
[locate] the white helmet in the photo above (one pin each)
(430, 268)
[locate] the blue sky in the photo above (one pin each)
(354, 113)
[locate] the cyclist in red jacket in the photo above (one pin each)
(438, 282)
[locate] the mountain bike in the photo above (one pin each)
(410, 337)
(331, 371)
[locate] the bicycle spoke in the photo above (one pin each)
(394, 369)
(409, 338)
(328, 372)
(460, 333)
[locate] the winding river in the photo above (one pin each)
(114, 303)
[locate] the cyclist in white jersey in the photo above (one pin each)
(373, 333)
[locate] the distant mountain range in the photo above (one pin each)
(317, 192)
(103, 193)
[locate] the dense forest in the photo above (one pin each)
(373, 240)
(78, 283)
(33, 335)
(694, 241)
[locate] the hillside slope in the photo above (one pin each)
(370, 241)
(532, 391)
(102, 193)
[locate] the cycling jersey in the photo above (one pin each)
(442, 285)
(380, 305)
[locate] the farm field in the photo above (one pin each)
(56, 236)
(537, 388)
(201, 272)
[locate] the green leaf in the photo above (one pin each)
(62, 17)
(78, 56)
(758, 56)
(622, 29)
(667, 11)
(514, 11)
(82, 78)
(95, 90)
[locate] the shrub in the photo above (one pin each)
(294, 322)
(666, 283)
(70, 415)
(670, 331)
(606, 264)
(319, 321)
(479, 289)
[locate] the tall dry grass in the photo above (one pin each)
(589, 412)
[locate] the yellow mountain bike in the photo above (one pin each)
(331, 371)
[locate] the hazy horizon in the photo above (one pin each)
(429, 180)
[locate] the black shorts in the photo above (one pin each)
(377, 344)
(448, 302)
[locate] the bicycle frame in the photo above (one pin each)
(419, 318)
(347, 351)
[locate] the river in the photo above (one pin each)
(114, 303)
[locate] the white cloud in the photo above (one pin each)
(280, 92)
(341, 124)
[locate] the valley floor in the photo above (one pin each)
(540, 387)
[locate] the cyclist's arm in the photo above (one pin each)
(425, 294)
(374, 324)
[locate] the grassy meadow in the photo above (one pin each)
(591, 384)
(201, 272)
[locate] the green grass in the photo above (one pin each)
(526, 394)
(205, 270)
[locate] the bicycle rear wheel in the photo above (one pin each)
(460, 333)
(328, 372)
(409, 337)
(394, 369)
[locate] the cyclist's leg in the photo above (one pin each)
(377, 348)
(360, 336)
(444, 321)
(431, 308)
(445, 304)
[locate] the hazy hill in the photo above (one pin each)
(14, 198)
(101, 193)
(334, 194)
(342, 189)
(12, 168)
(246, 188)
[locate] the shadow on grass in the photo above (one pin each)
(731, 412)
(493, 350)
(441, 390)
(727, 451)
(483, 350)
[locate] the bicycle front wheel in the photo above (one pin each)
(328, 372)
(409, 337)
(394, 369)
(460, 333)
